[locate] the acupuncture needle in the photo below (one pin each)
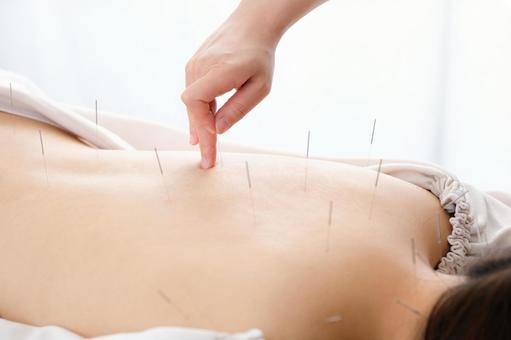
(414, 255)
(161, 172)
(375, 187)
(413, 249)
(409, 308)
(167, 299)
(249, 181)
(330, 210)
(371, 143)
(438, 230)
(11, 102)
(308, 143)
(96, 107)
(307, 161)
(97, 124)
(10, 95)
(378, 174)
(44, 156)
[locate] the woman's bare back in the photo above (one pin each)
(101, 242)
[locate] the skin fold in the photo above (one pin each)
(106, 244)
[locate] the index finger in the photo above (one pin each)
(203, 122)
(197, 98)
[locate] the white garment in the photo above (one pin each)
(480, 221)
(21, 97)
(16, 331)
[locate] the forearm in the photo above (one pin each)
(271, 18)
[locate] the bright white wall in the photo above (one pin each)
(434, 73)
(478, 129)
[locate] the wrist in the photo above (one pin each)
(255, 19)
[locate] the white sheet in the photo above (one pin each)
(15, 331)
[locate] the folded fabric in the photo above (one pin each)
(480, 221)
(21, 97)
(16, 331)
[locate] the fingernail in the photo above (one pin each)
(221, 125)
(205, 163)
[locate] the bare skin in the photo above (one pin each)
(107, 245)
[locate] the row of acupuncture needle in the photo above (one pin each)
(334, 318)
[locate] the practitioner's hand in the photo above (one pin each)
(240, 56)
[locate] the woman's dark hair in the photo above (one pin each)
(479, 308)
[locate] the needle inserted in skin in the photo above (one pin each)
(161, 172)
(378, 175)
(10, 95)
(414, 256)
(372, 134)
(44, 156)
(308, 142)
(169, 302)
(307, 161)
(375, 187)
(249, 181)
(409, 308)
(158, 159)
(330, 210)
(97, 124)
(11, 102)
(438, 228)
(96, 107)
(371, 143)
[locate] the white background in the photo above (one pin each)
(435, 74)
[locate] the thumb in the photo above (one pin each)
(241, 103)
